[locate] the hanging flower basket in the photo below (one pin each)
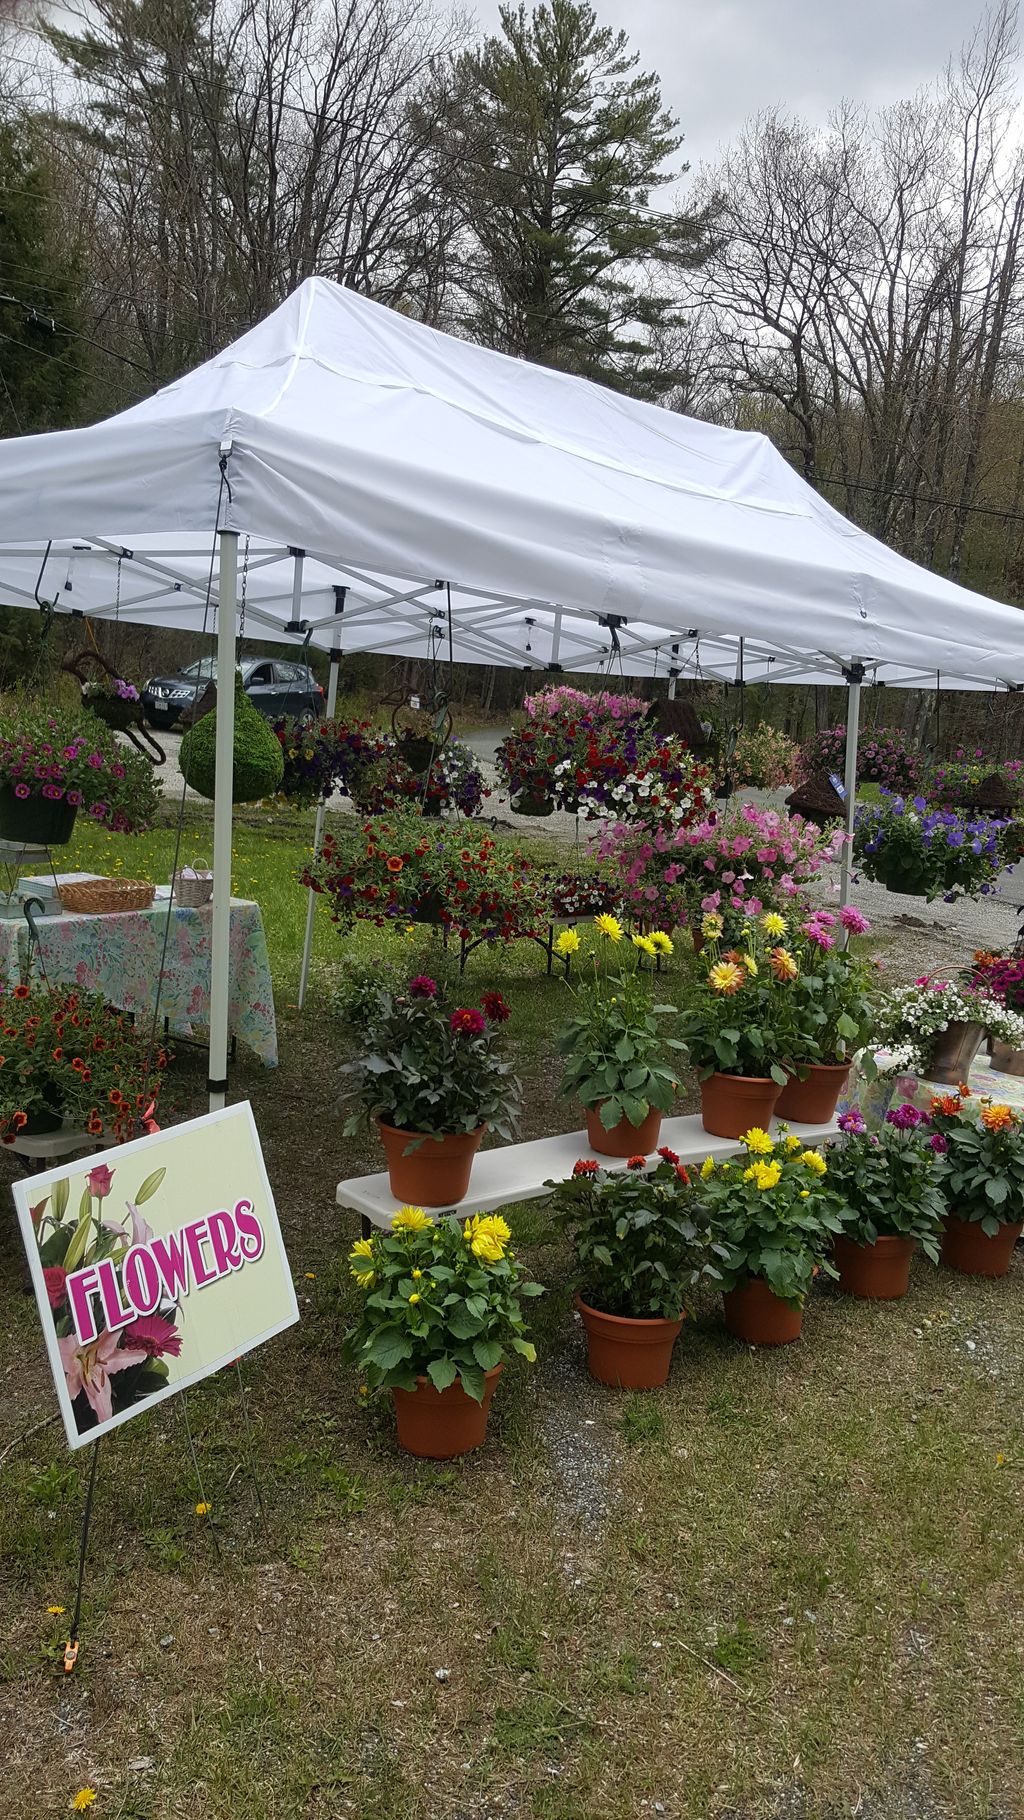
(533, 803)
(114, 711)
(35, 821)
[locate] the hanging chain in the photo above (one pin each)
(245, 584)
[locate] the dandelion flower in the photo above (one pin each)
(84, 1798)
(203, 1509)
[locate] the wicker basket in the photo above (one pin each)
(96, 896)
(192, 890)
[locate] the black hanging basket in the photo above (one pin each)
(112, 710)
(817, 800)
(35, 821)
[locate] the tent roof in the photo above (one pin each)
(399, 458)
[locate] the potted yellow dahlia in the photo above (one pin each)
(615, 1052)
(772, 1212)
(441, 1312)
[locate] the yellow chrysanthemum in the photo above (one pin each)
(712, 926)
(766, 1175)
(813, 1160)
(758, 1141)
(415, 1297)
(411, 1219)
(707, 1168)
(662, 942)
(487, 1235)
(609, 926)
(793, 1144)
(751, 965)
(567, 943)
(645, 943)
(726, 977)
(750, 1173)
(773, 924)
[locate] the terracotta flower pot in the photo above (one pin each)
(437, 1172)
(731, 1104)
(755, 1314)
(878, 1272)
(973, 1252)
(623, 1139)
(813, 1101)
(631, 1355)
(439, 1424)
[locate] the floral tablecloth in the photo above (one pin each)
(118, 955)
(875, 1097)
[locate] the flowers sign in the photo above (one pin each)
(154, 1265)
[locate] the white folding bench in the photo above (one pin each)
(519, 1172)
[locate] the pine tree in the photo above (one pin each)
(41, 363)
(557, 142)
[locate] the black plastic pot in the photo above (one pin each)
(36, 821)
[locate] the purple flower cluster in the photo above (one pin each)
(906, 1117)
(883, 757)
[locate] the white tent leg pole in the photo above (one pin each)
(854, 677)
(220, 933)
(318, 831)
(673, 673)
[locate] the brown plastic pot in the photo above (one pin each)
(631, 1355)
(754, 1313)
(437, 1172)
(440, 1424)
(965, 1247)
(623, 1139)
(878, 1272)
(732, 1104)
(813, 1101)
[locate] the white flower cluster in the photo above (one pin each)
(909, 1018)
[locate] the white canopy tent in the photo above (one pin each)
(475, 505)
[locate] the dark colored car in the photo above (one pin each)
(273, 685)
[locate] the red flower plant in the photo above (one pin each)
(495, 1009)
(637, 1162)
(585, 1166)
(468, 1022)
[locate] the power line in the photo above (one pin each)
(923, 499)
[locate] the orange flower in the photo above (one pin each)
(964, 1091)
(997, 1118)
(726, 977)
(21, 992)
(394, 865)
(782, 964)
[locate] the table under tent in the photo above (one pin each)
(405, 492)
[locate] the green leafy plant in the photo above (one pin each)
(831, 999)
(439, 1302)
(887, 1181)
(258, 767)
(982, 1168)
(613, 1045)
(773, 1214)
(742, 1018)
(431, 1069)
(639, 1248)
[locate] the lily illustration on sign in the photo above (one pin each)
(157, 1277)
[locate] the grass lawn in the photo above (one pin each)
(788, 1587)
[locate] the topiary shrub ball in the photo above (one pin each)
(259, 760)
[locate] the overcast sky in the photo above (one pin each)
(722, 60)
